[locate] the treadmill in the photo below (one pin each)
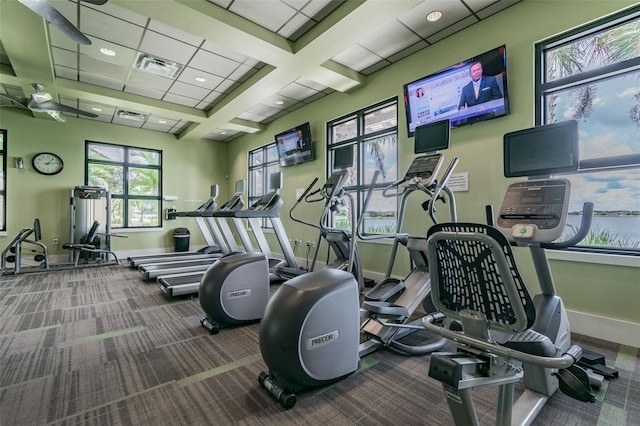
(199, 214)
(268, 206)
(151, 271)
(185, 279)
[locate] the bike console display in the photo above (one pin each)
(535, 210)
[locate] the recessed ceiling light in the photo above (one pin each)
(434, 16)
(200, 79)
(279, 102)
(223, 132)
(162, 121)
(107, 52)
(96, 109)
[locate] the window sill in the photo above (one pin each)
(135, 230)
(599, 258)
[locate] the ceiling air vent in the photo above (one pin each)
(157, 66)
(128, 115)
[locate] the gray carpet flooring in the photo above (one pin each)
(101, 346)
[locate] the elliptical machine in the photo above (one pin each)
(505, 334)
(310, 332)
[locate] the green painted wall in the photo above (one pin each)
(584, 287)
(190, 168)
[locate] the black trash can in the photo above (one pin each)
(181, 239)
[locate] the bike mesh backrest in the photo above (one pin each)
(472, 267)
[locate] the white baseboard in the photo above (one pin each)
(612, 330)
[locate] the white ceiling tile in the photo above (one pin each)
(458, 26)
(65, 58)
(263, 110)
(100, 80)
(68, 73)
(113, 29)
(156, 127)
(161, 121)
(249, 116)
(269, 14)
(319, 9)
(227, 86)
(296, 4)
(212, 97)
(310, 83)
(415, 18)
(175, 33)
(242, 73)
(127, 122)
(294, 24)
(166, 47)
(357, 58)
(388, 39)
(189, 90)
(212, 63)
(95, 66)
(145, 91)
(297, 91)
(88, 106)
(147, 80)
(188, 75)
(283, 101)
(182, 100)
(223, 51)
(112, 9)
(123, 55)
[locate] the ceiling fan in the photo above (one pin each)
(52, 16)
(42, 102)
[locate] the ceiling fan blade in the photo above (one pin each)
(54, 106)
(52, 16)
(56, 115)
(15, 101)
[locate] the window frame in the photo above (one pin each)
(125, 196)
(360, 140)
(264, 166)
(544, 88)
(3, 188)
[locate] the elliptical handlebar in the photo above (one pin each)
(441, 185)
(585, 227)
(305, 196)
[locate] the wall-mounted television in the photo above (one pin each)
(465, 93)
(542, 150)
(431, 137)
(294, 145)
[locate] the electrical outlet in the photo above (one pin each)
(311, 244)
(55, 240)
(297, 242)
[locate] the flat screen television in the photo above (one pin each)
(542, 150)
(294, 145)
(450, 93)
(431, 137)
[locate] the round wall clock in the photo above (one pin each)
(47, 163)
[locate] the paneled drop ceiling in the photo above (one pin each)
(215, 69)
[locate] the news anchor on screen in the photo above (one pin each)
(480, 89)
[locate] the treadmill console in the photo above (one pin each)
(534, 210)
(265, 202)
(231, 205)
(423, 170)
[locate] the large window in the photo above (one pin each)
(133, 176)
(592, 74)
(263, 162)
(373, 135)
(3, 180)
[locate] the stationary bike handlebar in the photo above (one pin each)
(572, 355)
